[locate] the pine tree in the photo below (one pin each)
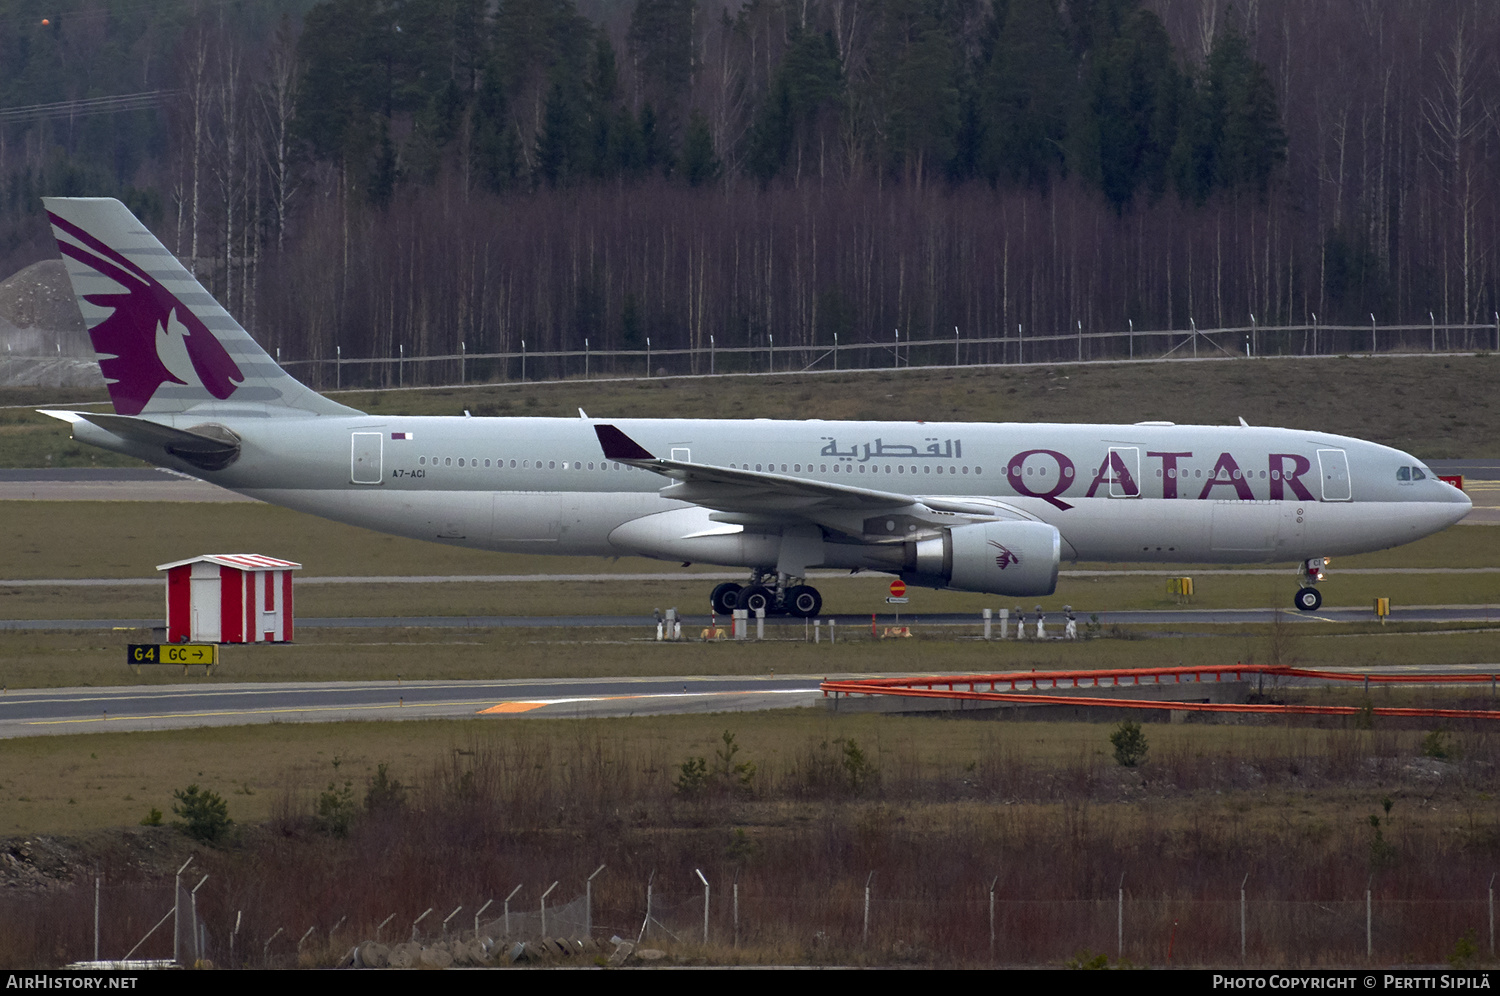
(699, 163)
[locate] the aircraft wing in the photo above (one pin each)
(752, 497)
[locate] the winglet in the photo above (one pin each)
(618, 446)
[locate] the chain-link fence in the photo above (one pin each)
(970, 924)
(1015, 346)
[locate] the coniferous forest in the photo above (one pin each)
(383, 174)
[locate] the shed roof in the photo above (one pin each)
(239, 561)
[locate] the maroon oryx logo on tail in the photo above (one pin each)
(1006, 558)
(150, 338)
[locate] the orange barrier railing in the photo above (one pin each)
(971, 687)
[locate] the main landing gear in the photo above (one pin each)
(769, 594)
(1308, 598)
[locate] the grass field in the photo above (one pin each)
(1433, 407)
(125, 540)
(75, 784)
(30, 659)
(800, 810)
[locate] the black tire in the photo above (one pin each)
(757, 597)
(803, 601)
(725, 598)
(1308, 599)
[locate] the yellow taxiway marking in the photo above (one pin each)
(527, 706)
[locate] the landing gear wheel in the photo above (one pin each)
(1308, 599)
(725, 598)
(803, 601)
(756, 598)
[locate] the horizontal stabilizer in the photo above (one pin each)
(208, 447)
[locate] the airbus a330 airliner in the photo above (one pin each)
(970, 506)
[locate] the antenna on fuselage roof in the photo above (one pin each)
(1243, 422)
(582, 413)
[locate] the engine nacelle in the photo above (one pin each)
(998, 558)
(690, 534)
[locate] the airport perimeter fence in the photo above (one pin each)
(1021, 348)
(847, 921)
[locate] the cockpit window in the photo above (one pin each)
(1417, 475)
(1403, 474)
(1406, 474)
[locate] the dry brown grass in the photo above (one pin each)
(942, 808)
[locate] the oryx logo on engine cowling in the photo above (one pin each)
(1006, 558)
(150, 338)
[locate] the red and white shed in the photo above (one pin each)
(229, 598)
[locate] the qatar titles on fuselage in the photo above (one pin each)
(974, 506)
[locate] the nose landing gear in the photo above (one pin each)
(1308, 598)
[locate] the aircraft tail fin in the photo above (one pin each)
(164, 344)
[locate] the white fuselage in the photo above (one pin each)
(1147, 492)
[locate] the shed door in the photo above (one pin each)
(270, 612)
(206, 626)
(365, 465)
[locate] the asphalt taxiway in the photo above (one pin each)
(37, 712)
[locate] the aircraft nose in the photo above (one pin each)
(1461, 504)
